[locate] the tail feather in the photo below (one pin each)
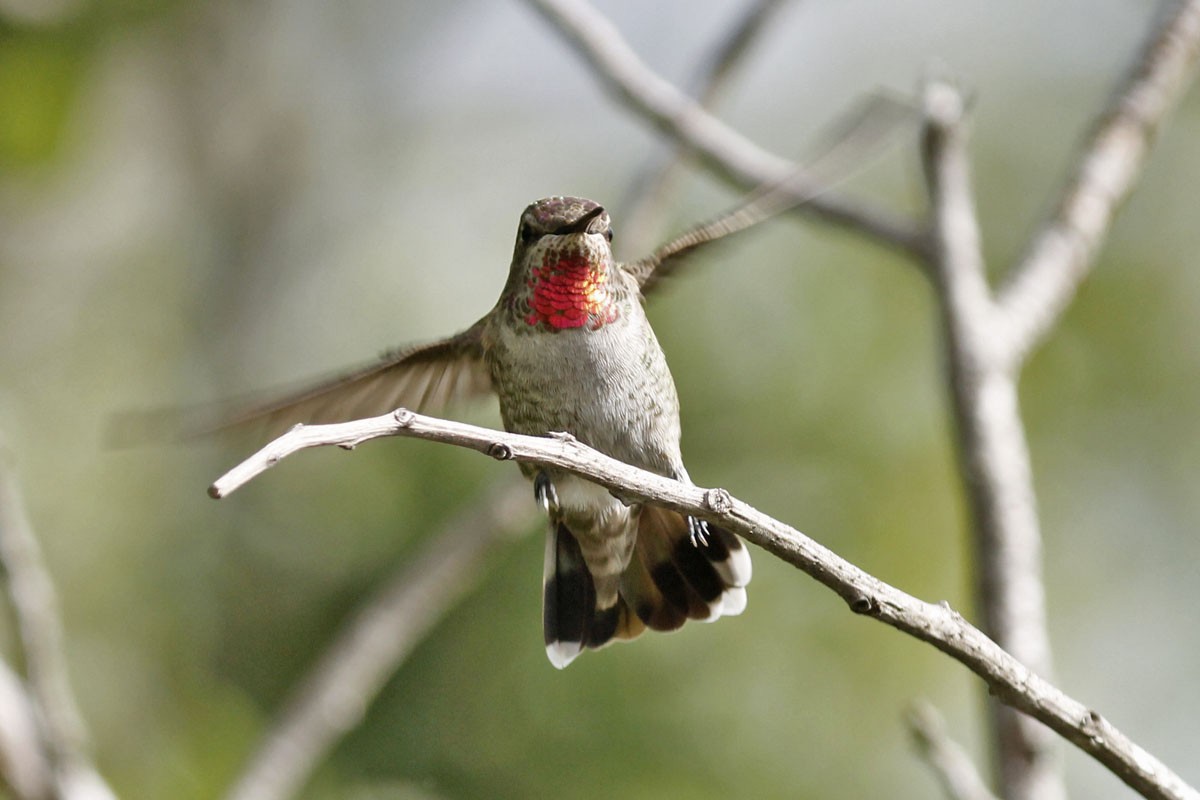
(667, 581)
(641, 593)
(568, 597)
(630, 626)
(712, 572)
(729, 556)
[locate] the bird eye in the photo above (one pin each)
(608, 234)
(527, 233)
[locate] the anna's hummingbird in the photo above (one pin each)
(567, 347)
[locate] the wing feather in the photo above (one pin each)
(862, 134)
(425, 378)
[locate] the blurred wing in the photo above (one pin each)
(852, 143)
(424, 378)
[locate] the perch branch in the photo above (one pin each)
(726, 152)
(936, 624)
(35, 606)
(335, 694)
(1064, 250)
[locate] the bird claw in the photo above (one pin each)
(545, 493)
(698, 531)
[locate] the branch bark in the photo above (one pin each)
(937, 624)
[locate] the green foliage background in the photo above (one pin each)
(200, 199)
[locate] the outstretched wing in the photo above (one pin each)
(859, 135)
(423, 378)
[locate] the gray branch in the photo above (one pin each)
(35, 605)
(988, 339)
(372, 645)
(992, 450)
(1063, 251)
(949, 762)
(726, 152)
(24, 769)
(656, 179)
(937, 624)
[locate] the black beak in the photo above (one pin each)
(582, 224)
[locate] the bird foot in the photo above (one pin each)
(545, 493)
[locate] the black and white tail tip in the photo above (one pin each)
(679, 570)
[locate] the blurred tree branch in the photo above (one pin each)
(988, 339)
(24, 770)
(945, 757)
(993, 454)
(937, 624)
(722, 149)
(337, 691)
(63, 740)
(655, 181)
(1062, 252)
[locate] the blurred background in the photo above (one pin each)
(199, 199)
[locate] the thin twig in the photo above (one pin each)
(730, 51)
(726, 152)
(654, 182)
(35, 606)
(949, 762)
(936, 624)
(1110, 163)
(376, 640)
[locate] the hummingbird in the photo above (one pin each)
(568, 348)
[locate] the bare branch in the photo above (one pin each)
(992, 450)
(955, 246)
(938, 625)
(35, 606)
(1063, 252)
(24, 769)
(372, 645)
(949, 762)
(654, 183)
(729, 154)
(714, 76)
